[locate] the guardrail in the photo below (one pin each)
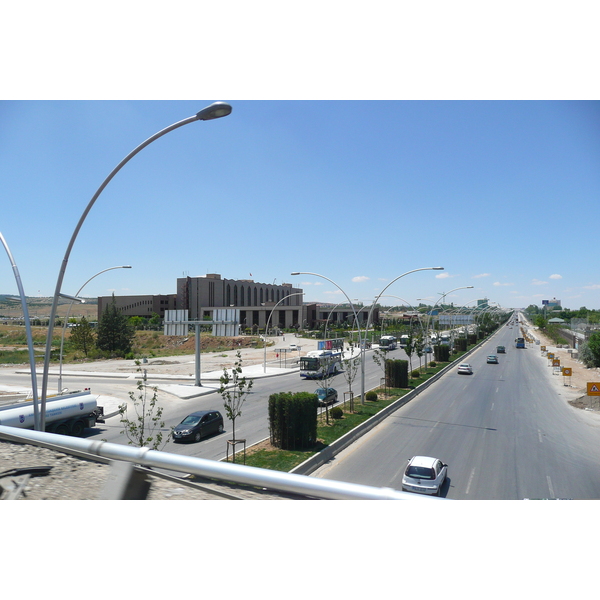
(274, 480)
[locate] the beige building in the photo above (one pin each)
(257, 302)
(140, 306)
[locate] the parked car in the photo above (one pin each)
(327, 396)
(465, 369)
(198, 425)
(492, 359)
(424, 475)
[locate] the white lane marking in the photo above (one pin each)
(540, 436)
(550, 486)
(470, 479)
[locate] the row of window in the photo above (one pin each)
(252, 296)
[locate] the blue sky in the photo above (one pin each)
(503, 194)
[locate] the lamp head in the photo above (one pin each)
(215, 111)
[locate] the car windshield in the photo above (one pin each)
(191, 420)
(420, 472)
(321, 393)
(465, 366)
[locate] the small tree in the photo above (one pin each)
(380, 359)
(409, 349)
(82, 336)
(234, 390)
(145, 429)
(350, 369)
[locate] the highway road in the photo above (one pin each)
(505, 432)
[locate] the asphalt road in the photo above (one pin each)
(505, 432)
(252, 425)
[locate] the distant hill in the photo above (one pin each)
(39, 306)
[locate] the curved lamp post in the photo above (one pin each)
(329, 317)
(267, 325)
(214, 111)
(66, 321)
(34, 390)
(442, 296)
(362, 394)
(341, 290)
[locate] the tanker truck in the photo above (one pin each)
(67, 414)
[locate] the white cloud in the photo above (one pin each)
(555, 276)
(481, 275)
(538, 282)
(595, 286)
(360, 279)
(497, 283)
(443, 276)
(333, 292)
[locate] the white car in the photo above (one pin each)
(465, 368)
(424, 475)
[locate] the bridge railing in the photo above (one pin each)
(231, 472)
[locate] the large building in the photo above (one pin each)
(282, 305)
(255, 301)
(140, 306)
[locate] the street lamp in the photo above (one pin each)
(34, 390)
(267, 325)
(442, 296)
(66, 321)
(341, 290)
(214, 111)
(362, 394)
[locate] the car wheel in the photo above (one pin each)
(197, 436)
(221, 428)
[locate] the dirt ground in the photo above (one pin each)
(574, 387)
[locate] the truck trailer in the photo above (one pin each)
(67, 414)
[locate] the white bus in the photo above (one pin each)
(387, 342)
(320, 363)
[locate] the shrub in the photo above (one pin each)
(337, 412)
(293, 420)
(396, 373)
(371, 396)
(433, 363)
(416, 374)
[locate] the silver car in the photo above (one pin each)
(424, 475)
(465, 369)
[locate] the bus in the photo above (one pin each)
(520, 342)
(387, 342)
(320, 363)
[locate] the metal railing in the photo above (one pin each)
(231, 472)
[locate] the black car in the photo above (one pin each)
(198, 425)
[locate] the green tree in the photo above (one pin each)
(145, 427)
(82, 336)
(115, 335)
(234, 390)
(590, 351)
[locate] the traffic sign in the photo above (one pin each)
(593, 388)
(556, 362)
(567, 371)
